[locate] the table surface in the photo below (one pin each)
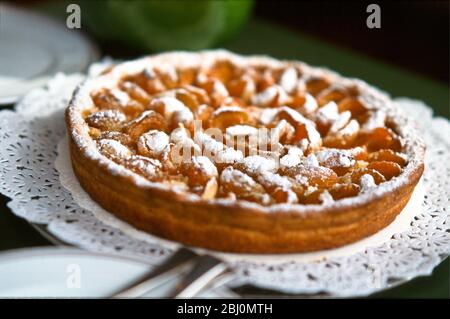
(260, 37)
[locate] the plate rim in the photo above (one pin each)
(42, 251)
(92, 49)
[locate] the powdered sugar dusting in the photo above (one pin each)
(266, 97)
(328, 113)
(351, 128)
(288, 79)
(256, 164)
(114, 115)
(292, 158)
(310, 104)
(229, 156)
(311, 160)
(335, 158)
(370, 97)
(120, 96)
(204, 164)
(219, 151)
(376, 119)
(241, 130)
(367, 183)
(341, 121)
(154, 141)
(234, 176)
(225, 109)
(174, 106)
(326, 198)
(113, 148)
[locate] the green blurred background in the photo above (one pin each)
(152, 26)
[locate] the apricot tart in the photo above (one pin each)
(242, 154)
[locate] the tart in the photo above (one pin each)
(242, 154)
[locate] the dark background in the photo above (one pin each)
(413, 34)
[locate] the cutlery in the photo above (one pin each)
(199, 271)
(163, 273)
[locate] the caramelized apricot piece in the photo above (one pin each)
(282, 195)
(353, 105)
(316, 85)
(95, 133)
(243, 186)
(285, 133)
(109, 120)
(383, 138)
(148, 81)
(118, 136)
(116, 99)
(319, 176)
(265, 80)
(279, 187)
(135, 92)
(199, 170)
(236, 87)
(133, 109)
(203, 114)
(233, 101)
(186, 76)
(152, 143)
(169, 158)
(228, 116)
(200, 94)
(297, 101)
(340, 161)
(335, 95)
(336, 141)
(187, 98)
(210, 190)
(340, 191)
(242, 87)
(222, 71)
(216, 90)
(387, 155)
(168, 76)
(113, 149)
(148, 167)
(360, 153)
(106, 100)
(148, 120)
(387, 169)
(310, 198)
(304, 128)
(173, 111)
(357, 174)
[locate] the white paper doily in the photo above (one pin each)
(70, 182)
(28, 148)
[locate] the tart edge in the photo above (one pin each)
(237, 227)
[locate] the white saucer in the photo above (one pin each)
(66, 272)
(33, 48)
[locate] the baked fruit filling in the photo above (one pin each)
(254, 133)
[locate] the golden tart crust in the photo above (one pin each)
(346, 158)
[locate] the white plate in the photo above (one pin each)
(66, 272)
(33, 48)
